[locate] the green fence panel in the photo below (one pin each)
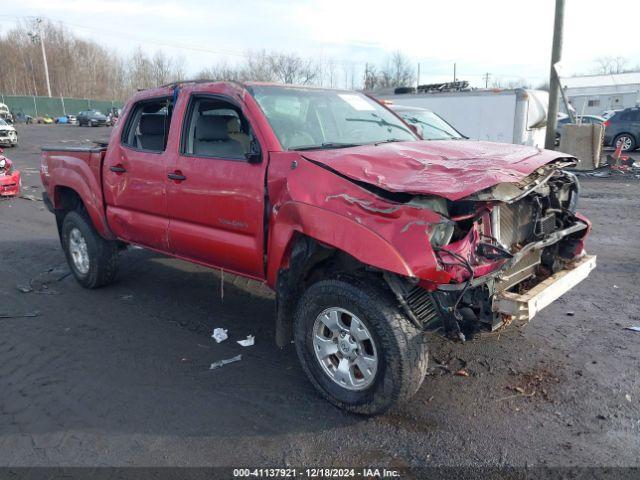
(74, 105)
(49, 106)
(24, 105)
(101, 105)
(54, 106)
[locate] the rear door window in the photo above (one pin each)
(147, 126)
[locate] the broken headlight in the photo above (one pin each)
(441, 233)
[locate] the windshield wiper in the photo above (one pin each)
(388, 140)
(327, 145)
(381, 122)
(449, 134)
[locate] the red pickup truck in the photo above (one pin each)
(369, 235)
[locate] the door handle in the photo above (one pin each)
(117, 168)
(176, 176)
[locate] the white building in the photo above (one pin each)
(593, 94)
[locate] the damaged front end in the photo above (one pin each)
(509, 251)
(9, 178)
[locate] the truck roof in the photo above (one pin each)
(233, 84)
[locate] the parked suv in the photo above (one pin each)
(623, 129)
(91, 118)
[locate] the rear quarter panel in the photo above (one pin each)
(78, 170)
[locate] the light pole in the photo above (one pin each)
(554, 81)
(39, 36)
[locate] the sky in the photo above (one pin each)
(508, 39)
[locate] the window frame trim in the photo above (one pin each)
(129, 119)
(186, 123)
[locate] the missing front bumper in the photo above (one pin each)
(526, 305)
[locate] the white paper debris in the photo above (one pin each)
(220, 334)
(247, 342)
(635, 329)
(222, 363)
(357, 102)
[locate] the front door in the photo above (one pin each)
(135, 176)
(215, 198)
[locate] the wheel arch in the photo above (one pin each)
(67, 198)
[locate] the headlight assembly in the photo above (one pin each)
(441, 233)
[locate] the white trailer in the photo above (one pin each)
(510, 116)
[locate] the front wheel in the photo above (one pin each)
(355, 346)
(93, 260)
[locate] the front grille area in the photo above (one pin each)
(420, 303)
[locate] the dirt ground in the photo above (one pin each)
(120, 375)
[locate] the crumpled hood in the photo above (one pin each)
(452, 169)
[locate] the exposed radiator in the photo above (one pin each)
(512, 224)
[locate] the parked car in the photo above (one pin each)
(429, 125)
(516, 116)
(582, 119)
(91, 118)
(21, 117)
(5, 114)
(623, 128)
(66, 119)
(8, 134)
(607, 114)
(45, 119)
(369, 235)
(10, 181)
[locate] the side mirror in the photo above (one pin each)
(254, 155)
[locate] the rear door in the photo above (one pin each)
(216, 196)
(135, 176)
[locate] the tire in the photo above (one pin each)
(102, 255)
(629, 140)
(399, 347)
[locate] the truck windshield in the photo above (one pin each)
(433, 127)
(305, 118)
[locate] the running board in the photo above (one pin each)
(524, 306)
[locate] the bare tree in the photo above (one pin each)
(397, 71)
(291, 68)
(610, 65)
(371, 80)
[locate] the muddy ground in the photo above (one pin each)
(120, 375)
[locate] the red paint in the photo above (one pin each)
(9, 179)
(216, 216)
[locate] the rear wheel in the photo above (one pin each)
(627, 141)
(355, 346)
(93, 260)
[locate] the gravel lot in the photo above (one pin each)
(119, 375)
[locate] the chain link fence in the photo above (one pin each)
(54, 106)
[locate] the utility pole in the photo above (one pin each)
(418, 78)
(454, 71)
(40, 36)
(486, 79)
(554, 81)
